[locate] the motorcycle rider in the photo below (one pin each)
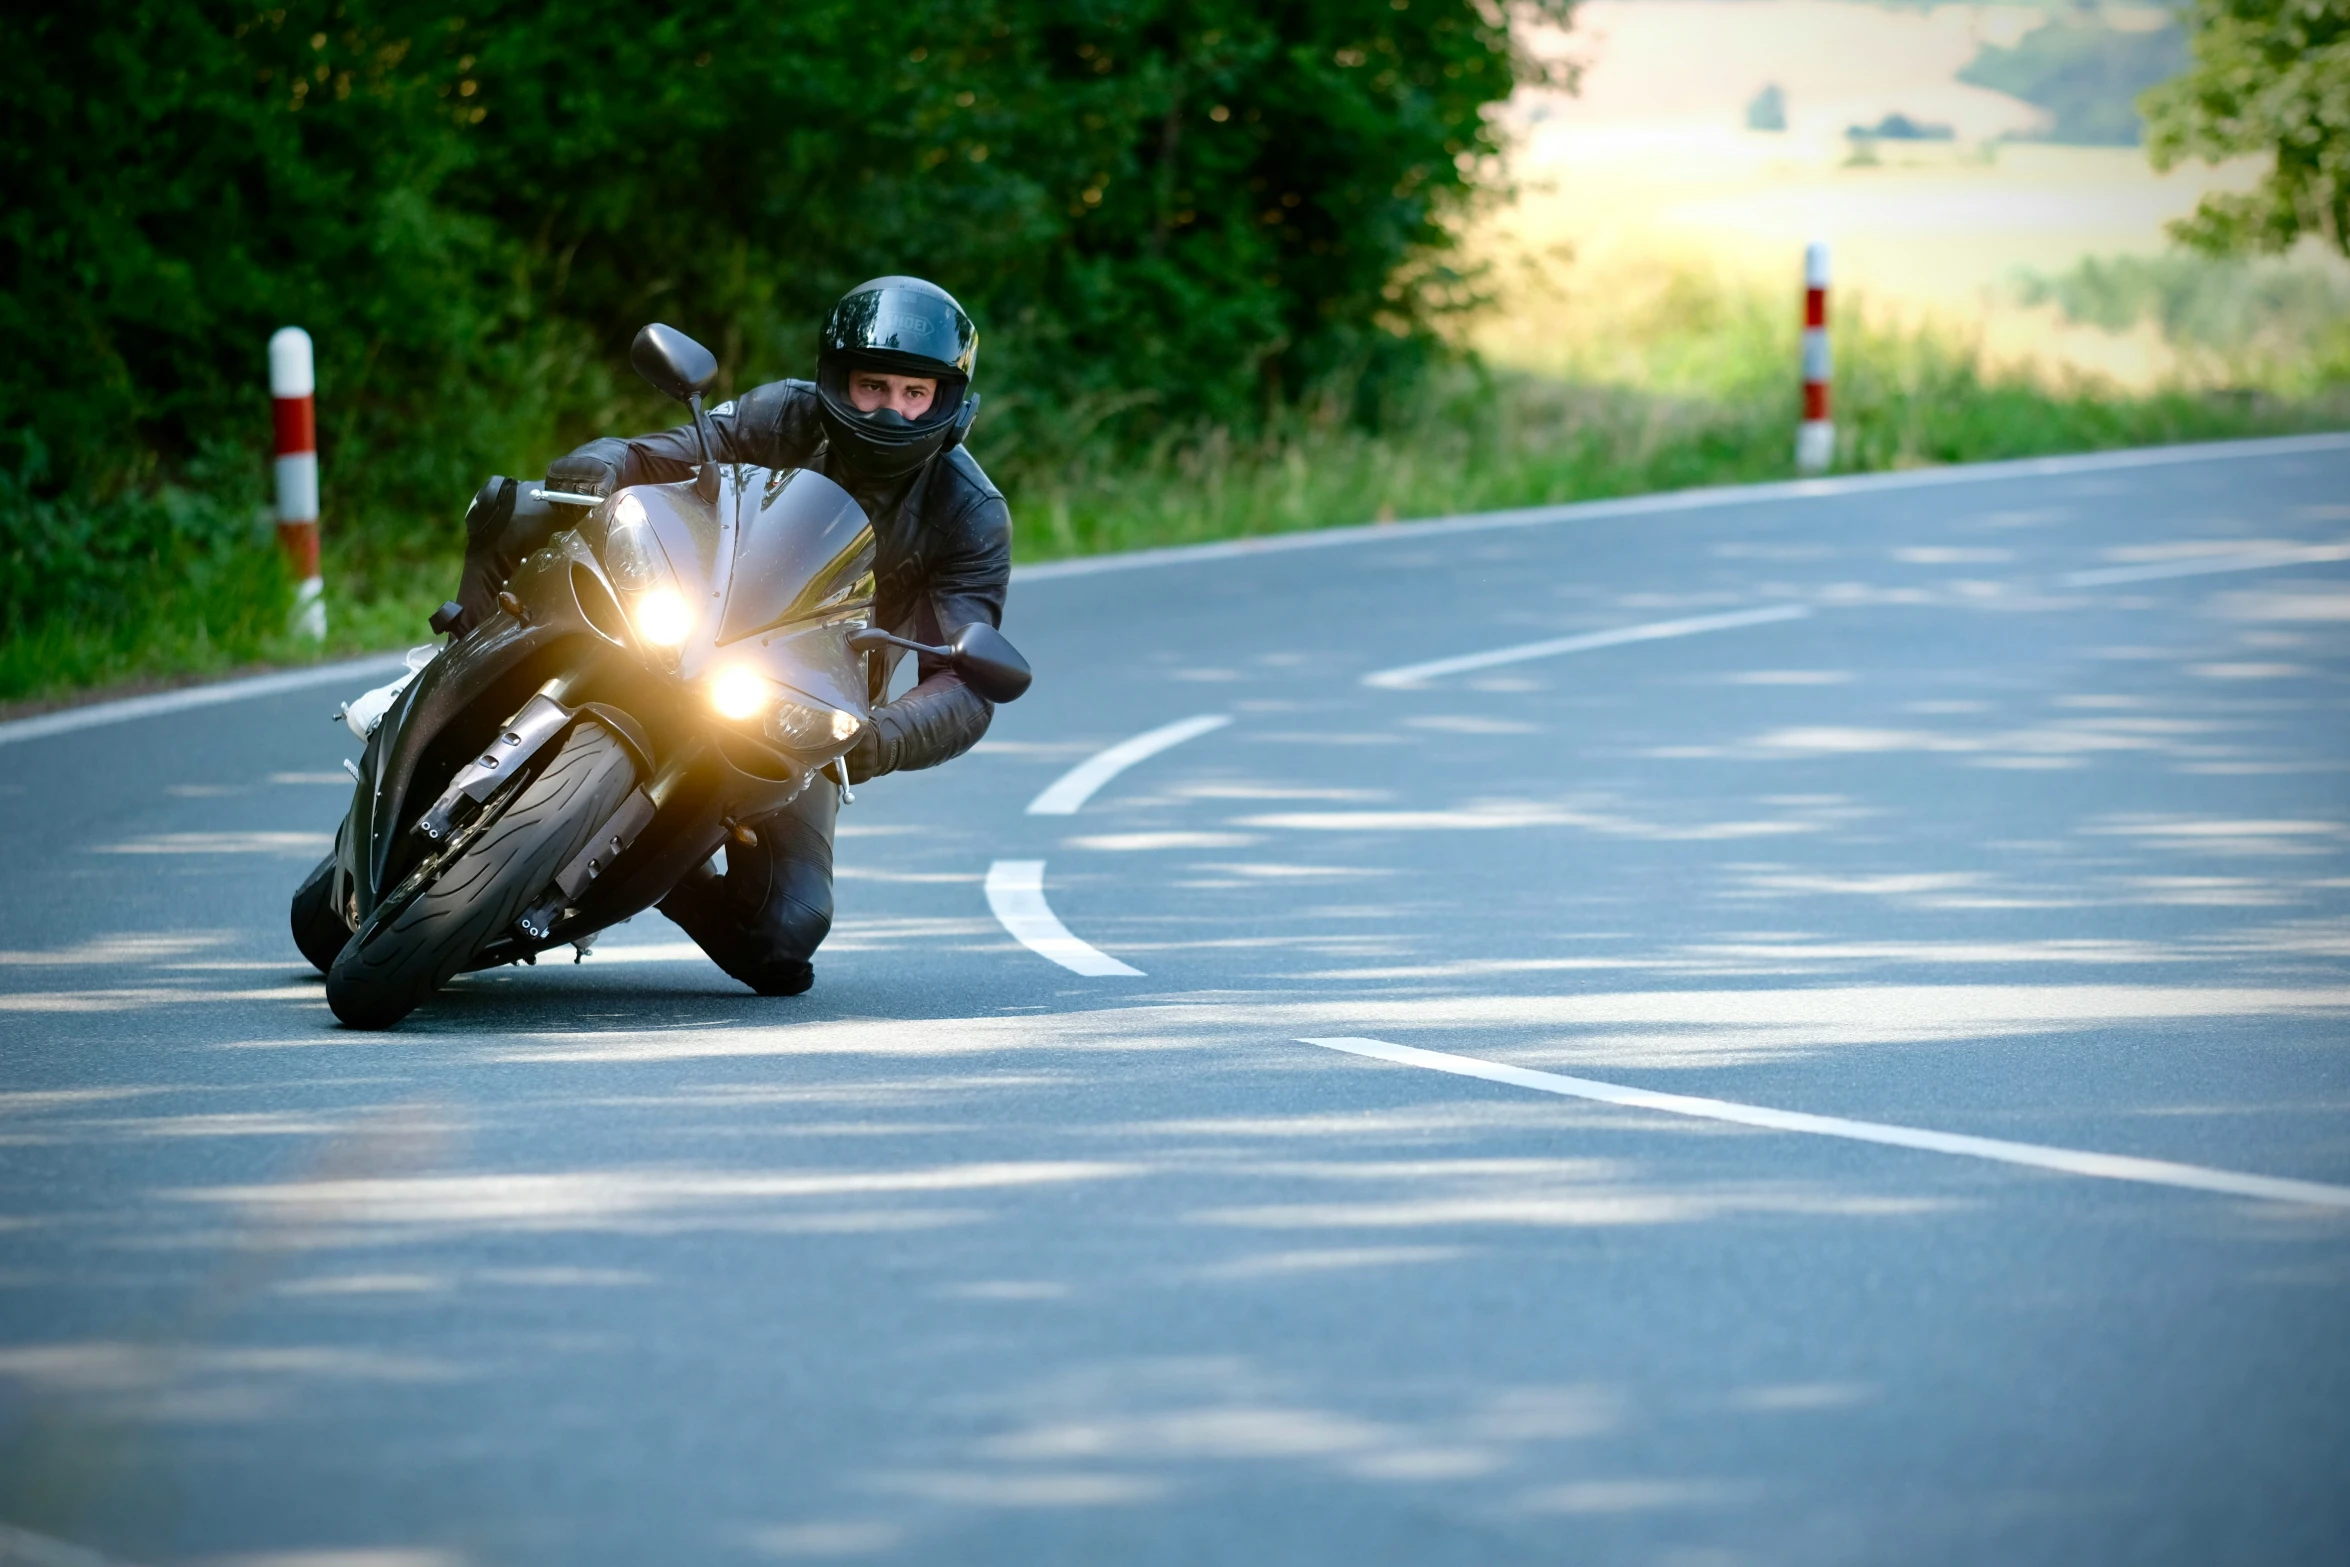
(885, 419)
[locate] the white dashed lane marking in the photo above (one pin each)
(1015, 888)
(2069, 1161)
(1015, 891)
(1654, 631)
(1076, 786)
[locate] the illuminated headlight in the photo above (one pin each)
(740, 693)
(805, 728)
(663, 617)
(640, 570)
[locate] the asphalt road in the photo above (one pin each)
(969, 1258)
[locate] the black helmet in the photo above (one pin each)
(904, 326)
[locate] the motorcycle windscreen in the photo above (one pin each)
(802, 546)
(812, 662)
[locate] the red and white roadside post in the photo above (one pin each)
(1815, 438)
(293, 384)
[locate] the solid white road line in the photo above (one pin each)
(1015, 891)
(2207, 565)
(1416, 674)
(1076, 786)
(97, 713)
(1689, 500)
(2112, 1167)
(23, 1548)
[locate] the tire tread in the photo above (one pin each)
(387, 971)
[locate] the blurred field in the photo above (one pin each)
(1648, 170)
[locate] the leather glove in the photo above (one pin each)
(485, 572)
(935, 722)
(501, 526)
(875, 752)
(585, 472)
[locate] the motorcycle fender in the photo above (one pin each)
(693, 819)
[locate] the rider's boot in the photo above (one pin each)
(702, 905)
(763, 920)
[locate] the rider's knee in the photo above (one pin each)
(790, 928)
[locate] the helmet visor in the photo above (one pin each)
(907, 329)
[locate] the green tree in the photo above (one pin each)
(1194, 198)
(2271, 78)
(177, 179)
(1156, 209)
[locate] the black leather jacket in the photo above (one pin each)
(942, 543)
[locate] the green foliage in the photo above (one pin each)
(2087, 75)
(180, 179)
(1155, 208)
(1206, 242)
(2271, 78)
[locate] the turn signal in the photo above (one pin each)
(810, 728)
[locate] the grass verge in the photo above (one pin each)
(1688, 386)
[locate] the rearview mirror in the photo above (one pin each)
(991, 664)
(673, 362)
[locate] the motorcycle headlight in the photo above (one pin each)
(663, 617)
(641, 571)
(740, 693)
(631, 554)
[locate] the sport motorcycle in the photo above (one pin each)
(679, 662)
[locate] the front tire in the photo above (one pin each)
(318, 925)
(395, 962)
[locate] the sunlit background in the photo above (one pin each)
(1975, 165)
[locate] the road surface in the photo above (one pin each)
(1794, 1026)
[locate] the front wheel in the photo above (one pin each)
(412, 947)
(318, 925)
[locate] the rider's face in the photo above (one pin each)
(874, 390)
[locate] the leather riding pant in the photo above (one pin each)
(764, 919)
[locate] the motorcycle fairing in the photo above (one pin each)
(814, 663)
(779, 545)
(802, 544)
(415, 740)
(817, 584)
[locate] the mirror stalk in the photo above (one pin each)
(869, 639)
(705, 477)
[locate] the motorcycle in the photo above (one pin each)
(682, 661)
